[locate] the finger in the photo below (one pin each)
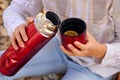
(23, 33)
(19, 40)
(76, 51)
(66, 51)
(80, 45)
(13, 42)
(73, 49)
(29, 20)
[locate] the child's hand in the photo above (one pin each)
(91, 48)
(19, 35)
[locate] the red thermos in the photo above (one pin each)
(39, 32)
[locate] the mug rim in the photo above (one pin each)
(80, 21)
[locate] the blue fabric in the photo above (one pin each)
(50, 59)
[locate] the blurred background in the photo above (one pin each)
(4, 39)
(4, 44)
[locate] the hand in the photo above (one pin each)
(92, 48)
(19, 35)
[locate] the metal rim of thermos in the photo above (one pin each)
(44, 25)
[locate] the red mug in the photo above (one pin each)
(71, 30)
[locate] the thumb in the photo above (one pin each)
(90, 37)
(29, 20)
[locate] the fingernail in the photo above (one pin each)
(69, 45)
(16, 48)
(26, 39)
(22, 45)
(76, 42)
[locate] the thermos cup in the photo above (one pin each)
(71, 30)
(43, 28)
